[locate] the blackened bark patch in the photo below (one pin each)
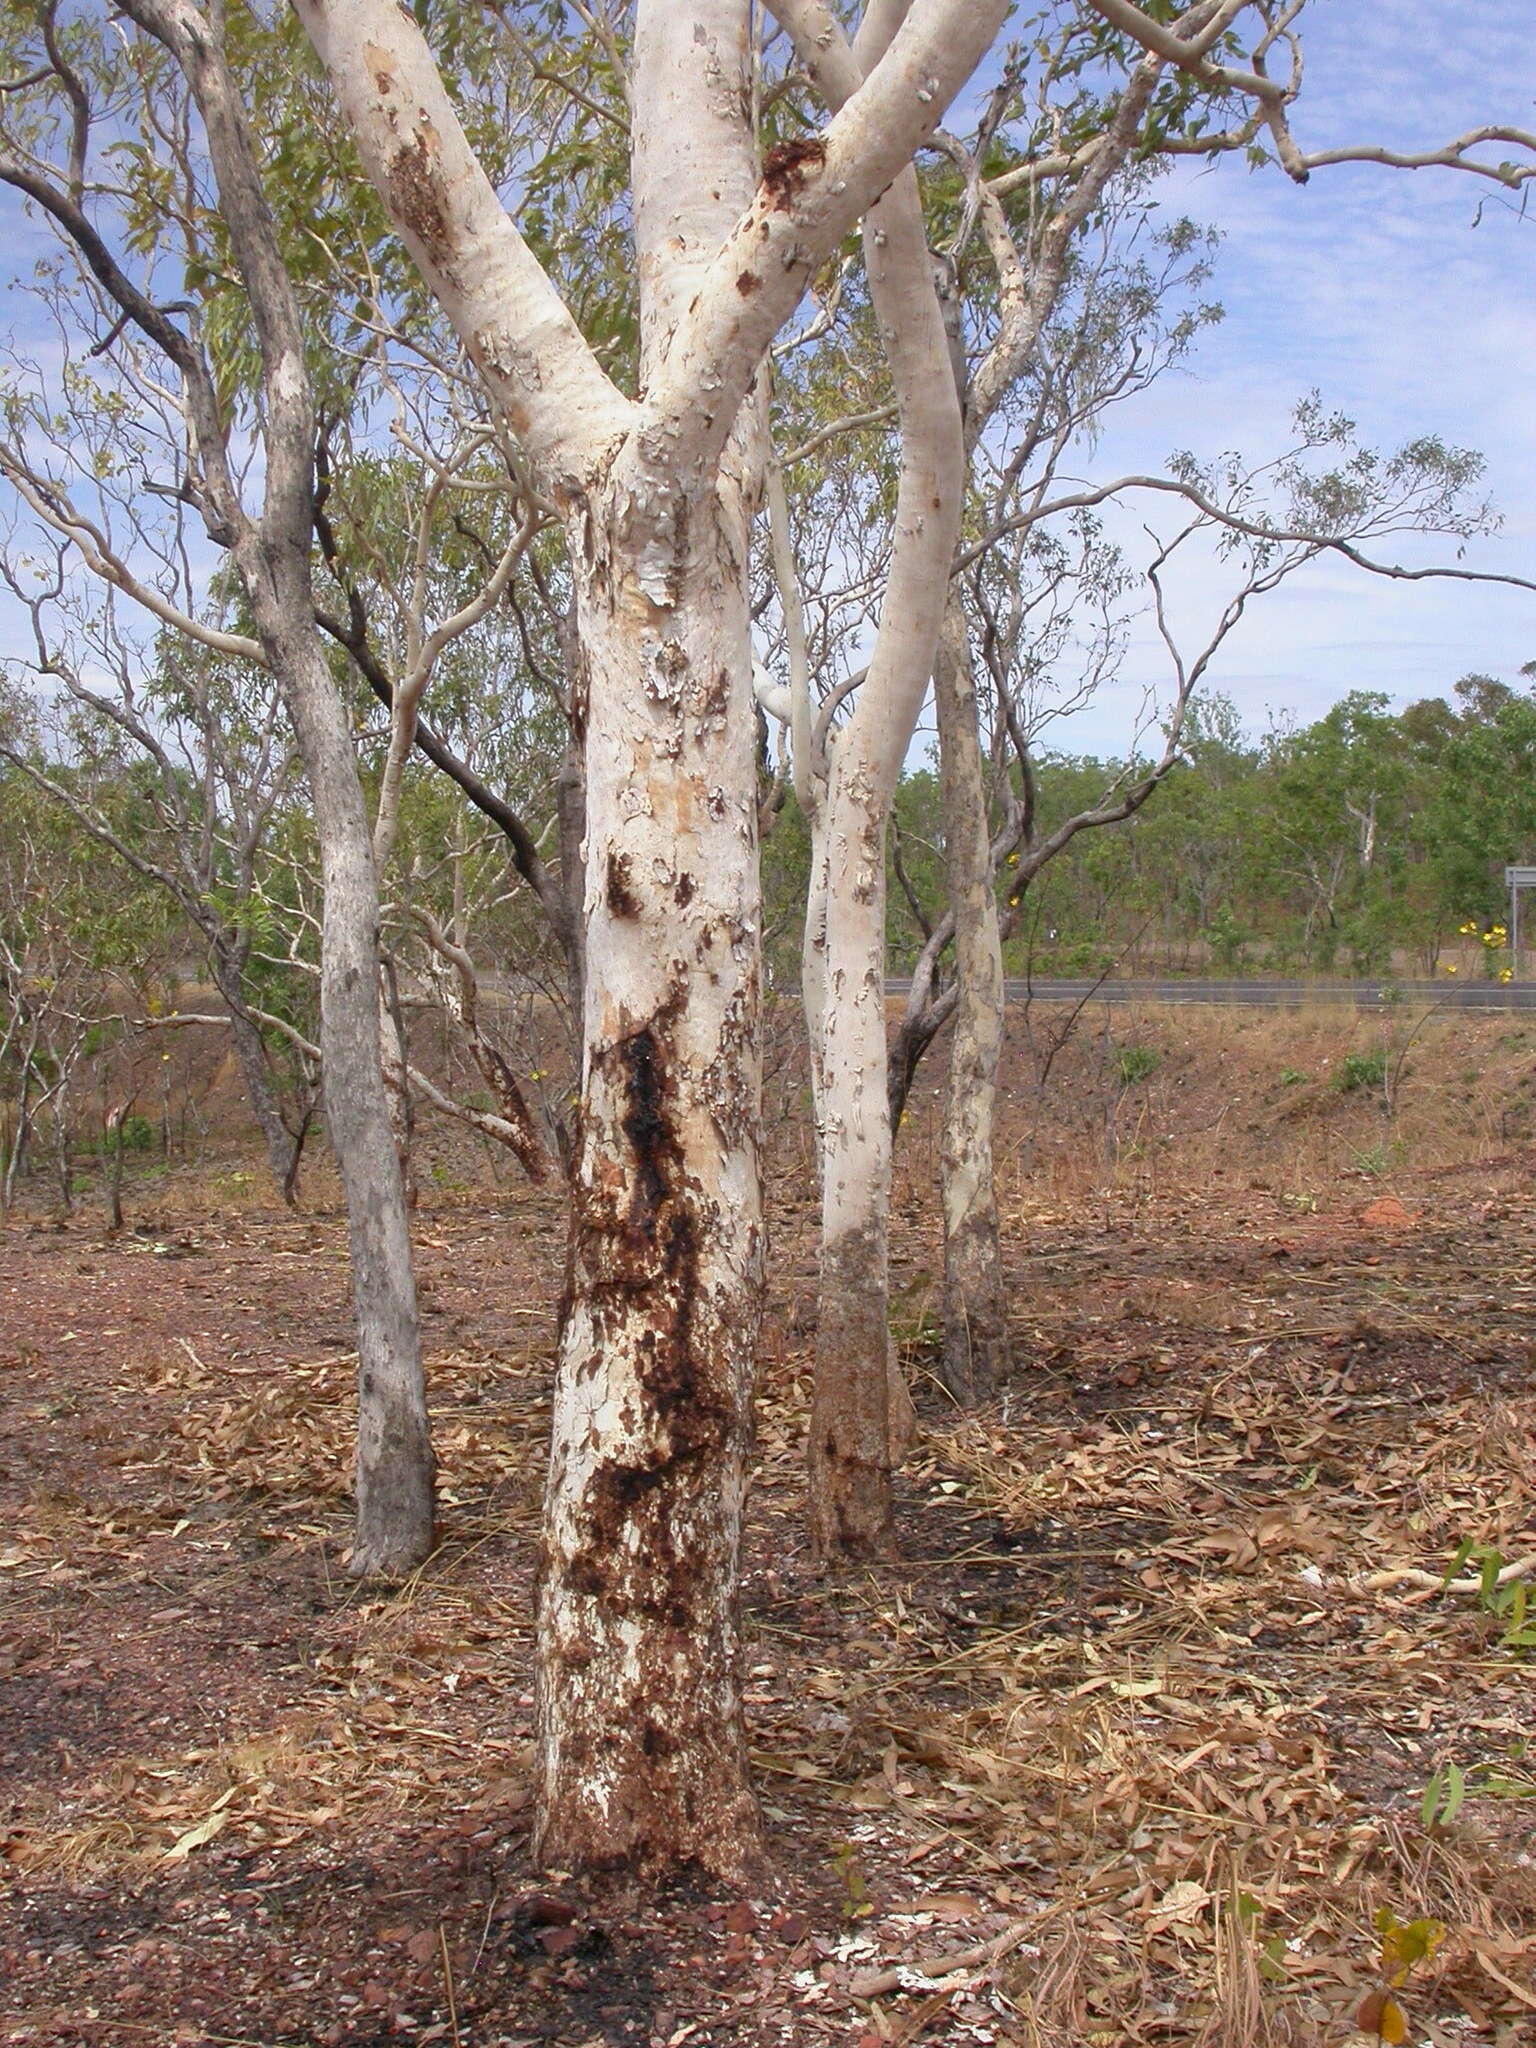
(647, 1125)
(682, 891)
(631, 1483)
(787, 170)
(641, 1254)
(619, 890)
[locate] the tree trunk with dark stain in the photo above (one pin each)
(642, 1750)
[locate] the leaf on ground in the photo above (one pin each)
(1381, 2015)
(196, 1837)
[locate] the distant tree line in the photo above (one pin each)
(1371, 842)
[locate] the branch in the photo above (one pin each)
(932, 480)
(55, 511)
(855, 423)
(1450, 156)
(545, 379)
(1028, 297)
(1189, 53)
(808, 764)
(812, 193)
(1253, 529)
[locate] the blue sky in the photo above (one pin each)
(1409, 299)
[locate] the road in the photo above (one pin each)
(1277, 995)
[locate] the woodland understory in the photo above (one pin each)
(1158, 1729)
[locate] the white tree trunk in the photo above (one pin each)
(850, 1448)
(641, 1744)
(643, 1755)
(861, 1415)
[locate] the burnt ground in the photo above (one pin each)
(1150, 1734)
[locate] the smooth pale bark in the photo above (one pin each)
(975, 1347)
(975, 1352)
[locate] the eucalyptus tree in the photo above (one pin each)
(135, 149)
(1150, 85)
(1325, 495)
(80, 950)
(641, 1748)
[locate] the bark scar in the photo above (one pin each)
(788, 169)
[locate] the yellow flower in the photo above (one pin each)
(1506, 974)
(1451, 969)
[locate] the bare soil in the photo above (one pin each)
(1150, 1735)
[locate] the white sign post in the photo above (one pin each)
(1516, 879)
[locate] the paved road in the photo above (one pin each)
(1277, 995)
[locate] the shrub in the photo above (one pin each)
(1362, 1070)
(133, 1134)
(1133, 1063)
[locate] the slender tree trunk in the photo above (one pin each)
(261, 1095)
(63, 1165)
(850, 1432)
(861, 1413)
(393, 1528)
(642, 1753)
(397, 1084)
(15, 1164)
(975, 1351)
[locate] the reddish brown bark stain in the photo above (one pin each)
(788, 169)
(747, 284)
(647, 1251)
(714, 699)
